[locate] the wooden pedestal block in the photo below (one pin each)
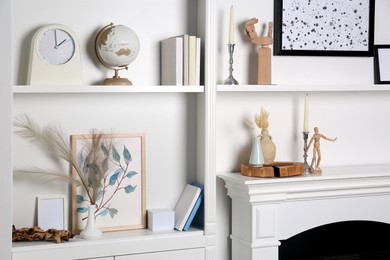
(277, 169)
(264, 66)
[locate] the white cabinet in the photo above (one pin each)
(113, 244)
(190, 254)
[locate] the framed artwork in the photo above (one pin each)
(324, 27)
(120, 197)
(382, 64)
(52, 211)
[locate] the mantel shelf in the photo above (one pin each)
(331, 174)
(303, 88)
(105, 89)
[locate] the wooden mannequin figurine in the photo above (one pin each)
(317, 150)
(264, 55)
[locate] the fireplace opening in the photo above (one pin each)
(348, 240)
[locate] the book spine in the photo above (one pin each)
(172, 61)
(192, 60)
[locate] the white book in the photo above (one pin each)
(185, 204)
(172, 61)
(192, 60)
(197, 65)
(185, 59)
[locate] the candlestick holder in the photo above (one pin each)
(305, 137)
(231, 80)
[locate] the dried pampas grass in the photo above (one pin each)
(52, 141)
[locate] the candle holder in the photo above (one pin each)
(231, 80)
(305, 137)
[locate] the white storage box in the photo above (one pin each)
(161, 219)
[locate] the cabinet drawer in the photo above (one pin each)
(99, 258)
(188, 254)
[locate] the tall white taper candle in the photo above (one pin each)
(231, 26)
(306, 115)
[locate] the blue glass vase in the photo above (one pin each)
(256, 159)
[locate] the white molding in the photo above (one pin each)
(6, 128)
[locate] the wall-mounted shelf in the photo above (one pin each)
(302, 88)
(105, 89)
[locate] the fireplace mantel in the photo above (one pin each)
(267, 210)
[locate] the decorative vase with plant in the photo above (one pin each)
(256, 158)
(267, 145)
(92, 171)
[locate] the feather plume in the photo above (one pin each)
(47, 175)
(51, 140)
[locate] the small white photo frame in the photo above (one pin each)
(52, 211)
(382, 64)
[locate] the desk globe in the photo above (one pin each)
(116, 46)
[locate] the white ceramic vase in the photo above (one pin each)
(90, 230)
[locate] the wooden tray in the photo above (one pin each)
(277, 169)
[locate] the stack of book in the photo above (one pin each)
(189, 207)
(180, 60)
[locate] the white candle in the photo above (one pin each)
(306, 115)
(231, 26)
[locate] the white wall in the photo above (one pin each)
(358, 119)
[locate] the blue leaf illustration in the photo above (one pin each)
(105, 165)
(103, 212)
(126, 155)
(99, 195)
(131, 174)
(115, 155)
(80, 158)
(82, 210)
(113, 212)
(115, 177)
(104, 149)
(79, 198)
(130, 189)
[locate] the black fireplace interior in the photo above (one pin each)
(347, 240)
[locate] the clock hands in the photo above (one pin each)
(55, 39)
(64, 41)
(56, 45)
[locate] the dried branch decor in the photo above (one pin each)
(51, 140)
(108, 171)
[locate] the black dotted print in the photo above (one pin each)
(320, 25)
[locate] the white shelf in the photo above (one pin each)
(302, 88)
(105, 89)
(116, 243)
(328, 173)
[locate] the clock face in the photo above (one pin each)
(56, 46)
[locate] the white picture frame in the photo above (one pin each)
(51, 211)
(382, 64)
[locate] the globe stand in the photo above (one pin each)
(116, 80)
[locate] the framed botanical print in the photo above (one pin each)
(324, 27)
(117, 162)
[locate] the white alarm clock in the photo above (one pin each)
(55, 57)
